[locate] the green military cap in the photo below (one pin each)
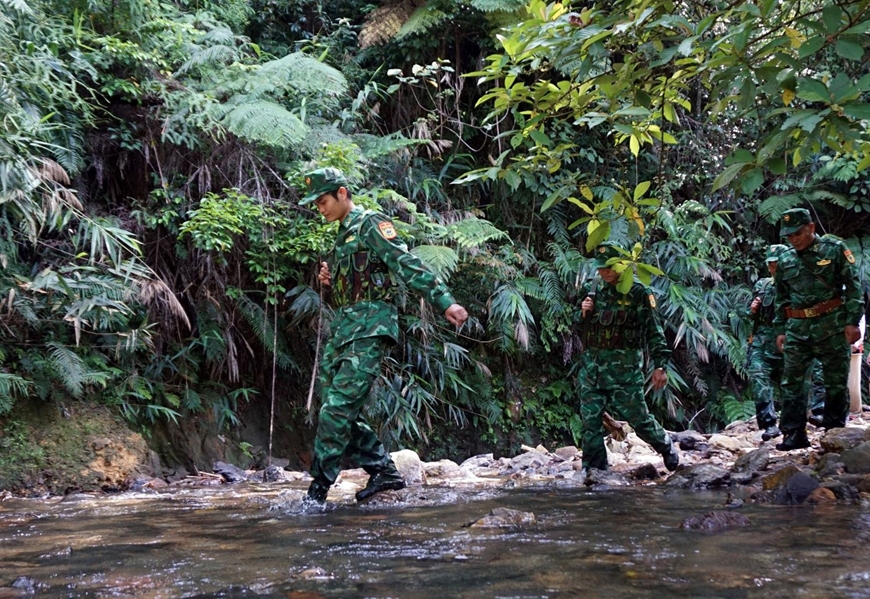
(793, 220)
(322, 181)
(605, 252)
(774, 252)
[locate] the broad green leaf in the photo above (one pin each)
(598, 235)
(857, 110)
(584, 207)
(626, 280)
(726, 176)
(634, 144)
(777, 166)
(586, 192)
(641, 189)
(752, 181)
(849, 50)
(831, 16)
(811, 46)
(812, 90)
(540, 138)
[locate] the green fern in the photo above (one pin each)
(263, 329)
(772, 208)
(443, 260)
(421, 20)
(18, 5)
(11, 386)
(210, 56)
(264, 121)
(69, 367)
(498, 5)
(473, 232)
(303, 74)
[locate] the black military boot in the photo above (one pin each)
(794, 440)
(317, 492)
(671, 458)
(383, 480)
(771, 432)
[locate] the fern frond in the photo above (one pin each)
(69, 367)
(264, 329)
(772, 208)
(383, 23)
(266, 122)
(192, 401)
(473, 232)
(421, 20)
(300, 72)
(11, 386)
(443, 260)
(219, 35)
(212, 55)
(499, 5)
(375, 146)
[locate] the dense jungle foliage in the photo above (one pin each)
(154, 256)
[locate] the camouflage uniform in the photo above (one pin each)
(765, 360)
(818, 295)
(611, 374)
(367, 258)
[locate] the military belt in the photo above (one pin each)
(817, 310)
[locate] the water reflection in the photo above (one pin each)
(252, 541)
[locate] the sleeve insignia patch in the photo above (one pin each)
(823, 262)
(849, 256)
(652, 301)
(350, 238)
(388, 231)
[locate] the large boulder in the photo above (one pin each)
(410, 466)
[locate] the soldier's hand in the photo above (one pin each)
(753, 307)
(853, 333)
(324, 275)
(587, 306)
(456, 315)
(659, 378)
(780, 343)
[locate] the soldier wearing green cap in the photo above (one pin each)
(818, 308)
(764, 364)
(615, 327)
(367, 259)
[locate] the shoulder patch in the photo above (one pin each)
(652, 301)
(823, 262)
(848, 254)
(388, 231)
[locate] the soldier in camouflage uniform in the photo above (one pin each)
(615, 327)
(367, 259)
(764, 367)
(818, 308)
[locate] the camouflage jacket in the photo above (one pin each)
(367, 258)
(764, 334)
(623, 324)
(823, 271)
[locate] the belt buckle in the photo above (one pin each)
(811, 312)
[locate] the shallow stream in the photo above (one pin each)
(256, 541)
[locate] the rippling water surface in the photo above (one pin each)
(257, 541)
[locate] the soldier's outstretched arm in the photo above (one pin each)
(379, 235)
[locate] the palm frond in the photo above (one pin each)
(69, 367)
(375, 146)
(210, 56)
(772, 208)
(421, 20)
(383, 23)
(18, 5)
(263, 329)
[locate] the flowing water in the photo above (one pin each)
(257, 541)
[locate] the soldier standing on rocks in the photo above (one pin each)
(764, 367)
(615, 327)
(818, 307)
(367, 257)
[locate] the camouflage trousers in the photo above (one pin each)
(764, 373)
(617, 387)
(347, 374)
(833, 354)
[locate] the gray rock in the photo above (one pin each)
(700, 476)
(484, 460)
(857, 460)
(715, 521)
(839, 440)
(688, 440)
(605, 478)
(830, 464)
(531, 459)
(230, 473)
(754, 461)
(442, 468)
(410, 467)
(569, 452)
(502, 517)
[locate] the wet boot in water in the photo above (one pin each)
(794, 440)
(317, 493)
(384, 480)
(671, 458)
